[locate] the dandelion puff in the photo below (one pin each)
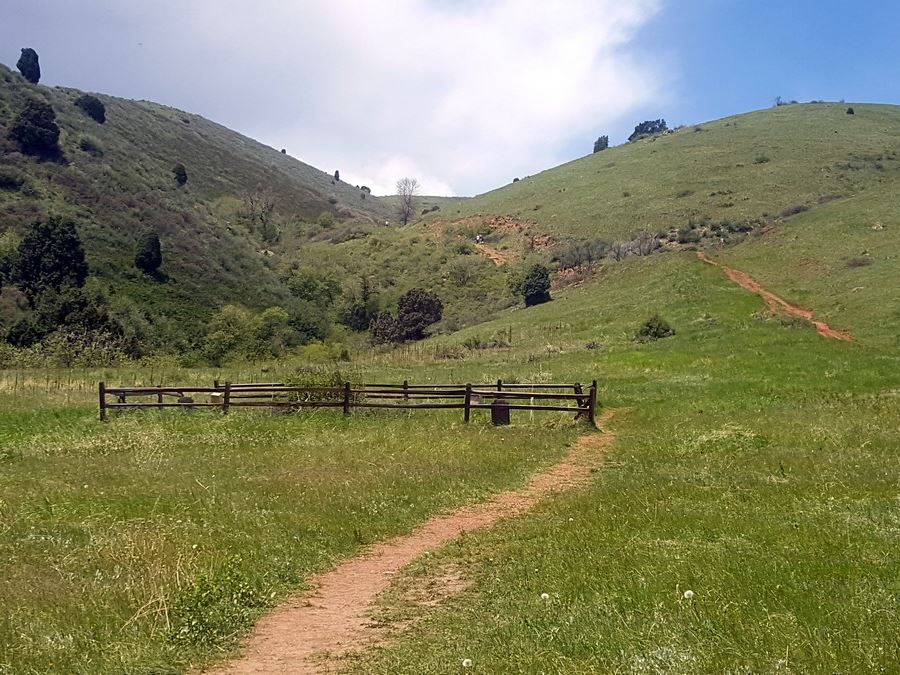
(545, 596)
(688, 595)
(467, 663)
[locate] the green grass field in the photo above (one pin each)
(755, 462)
(754, 465)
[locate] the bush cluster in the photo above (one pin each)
(92, 107)
(35, 129)
(654, 328)
(417, 309)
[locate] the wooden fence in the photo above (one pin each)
(498, 397)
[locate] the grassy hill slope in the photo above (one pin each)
(117, 181)
(737, 168)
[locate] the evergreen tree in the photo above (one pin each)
(148, 253)
(536, 286)
(35, 129)
(601, 143)
(50, 258)
(28, 65)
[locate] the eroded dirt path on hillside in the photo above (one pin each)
(311, 632)
(775, 303)
(498, 258)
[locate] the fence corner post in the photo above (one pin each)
(226, 398)
(467, 409)
(346, 398)
(102, 396)
(592, 404)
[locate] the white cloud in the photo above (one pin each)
(461, 94)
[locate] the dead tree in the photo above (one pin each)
(407, 189)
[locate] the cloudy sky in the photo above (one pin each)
(462, 94)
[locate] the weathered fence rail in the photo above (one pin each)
(499, 397)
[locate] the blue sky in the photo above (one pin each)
(730, 56)
(463, 95)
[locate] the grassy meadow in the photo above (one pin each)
(755, 462)
(755, 465)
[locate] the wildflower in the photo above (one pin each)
(688, 595)
(467, 663)
(545, 596)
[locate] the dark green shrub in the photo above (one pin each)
(50, 257)
(536, 286)
(35, 129)
(28, 65)
(148, 253)
(360, 309)
(24, 333)
(92, 107)
(384, 329)
(654, 328)
(601, 143)
(416, 310)
(180, 173)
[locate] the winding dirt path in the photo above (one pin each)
(313, 630)
(775, 303)
(498, 258)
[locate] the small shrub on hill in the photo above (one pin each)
(180, 173)
(50, 257)
(35, 129)
(535, 288)
(148, 253)
(92, 107)
(601, 143)
(648, 128)
(654, 328)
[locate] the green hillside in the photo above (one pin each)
(116, 180)
(742, 168)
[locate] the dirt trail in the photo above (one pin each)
(311, 632)
(498, 258)
(775, 303)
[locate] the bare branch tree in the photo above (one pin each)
(407, 189)
(646, 242)
(618, 250)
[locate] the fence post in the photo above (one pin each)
(346, 398)
(499, 385)
(102, 393)
(159, 400)
(215, 384)
(467, 410)
(226, 398)
(592, 404)
(405, 390)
